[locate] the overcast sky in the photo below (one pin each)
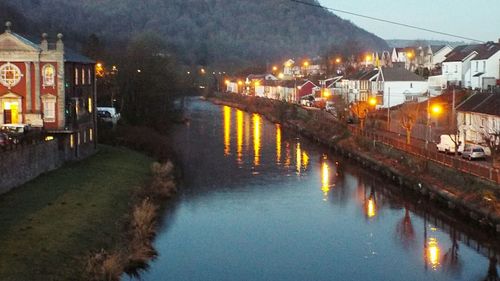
(478, 19)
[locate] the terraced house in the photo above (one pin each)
(47, 85)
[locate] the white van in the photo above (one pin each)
(447, 144)
(108, 114)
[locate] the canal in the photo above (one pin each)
(260, 203)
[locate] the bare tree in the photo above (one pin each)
(408, 115)
(491, 136)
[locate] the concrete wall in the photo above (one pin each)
(27, 162)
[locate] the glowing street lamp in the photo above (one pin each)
(240, 82)
(436, 109)
(338, 60)
(367, 59)
(202, 71)
(281, 75)
(306, 64)
(372, 101)
(226, 82)
(275, 68)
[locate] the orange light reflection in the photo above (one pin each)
(227, 130)
(278, 144)
(256, 138)
(239, 135)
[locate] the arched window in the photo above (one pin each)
(10, 75)
(48, 74)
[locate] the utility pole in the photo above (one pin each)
(389, 109)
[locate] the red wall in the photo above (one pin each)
(306, 89)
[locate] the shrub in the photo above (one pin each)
(103, 266)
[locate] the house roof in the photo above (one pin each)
(399, 74)
(69, 54)
(482, 103)
(461, 52)
(73, 56)
(487, 50)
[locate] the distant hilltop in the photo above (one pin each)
(402, 43)
(201, 32)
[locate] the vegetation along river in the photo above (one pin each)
(260, 203)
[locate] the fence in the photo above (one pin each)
(31, 140)
(484, 171)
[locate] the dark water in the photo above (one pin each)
(260, 204)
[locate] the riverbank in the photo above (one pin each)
(463, 194)
(50, 224)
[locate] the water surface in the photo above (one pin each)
(258, 203)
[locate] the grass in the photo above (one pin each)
(50, 224)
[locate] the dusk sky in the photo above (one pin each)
(473, 19)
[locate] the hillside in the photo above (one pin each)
(203, 32)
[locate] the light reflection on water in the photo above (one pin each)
(280, 208)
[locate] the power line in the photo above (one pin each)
(385, 21)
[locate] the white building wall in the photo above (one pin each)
(474, 126)
(452, 71)
(440, 55)
(490, 67)
(395, 91)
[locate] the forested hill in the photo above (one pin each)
(203, 32)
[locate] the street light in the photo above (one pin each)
(338, 60)
(372, 101)
(367, 59)
(275, 68)
(436, 109)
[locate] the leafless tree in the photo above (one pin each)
(408, 115)
(491, 137)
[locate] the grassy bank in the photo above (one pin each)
(49, 225)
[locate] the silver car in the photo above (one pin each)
(473, 152)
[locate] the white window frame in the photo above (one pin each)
(83, 76)
(15, 72)
(49, 108)
(76, 76)
(48, 81)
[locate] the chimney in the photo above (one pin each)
(44, 44)
(59, 43)
(8, 25)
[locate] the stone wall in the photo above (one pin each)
(25, 163)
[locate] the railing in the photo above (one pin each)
(476, 169)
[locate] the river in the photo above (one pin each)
(260, 203)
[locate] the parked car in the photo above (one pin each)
(108, 114)
(17, 133)
(4, 139)
(307, 100)
(447, 144)
(473, 152)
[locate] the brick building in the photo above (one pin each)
(47, 85)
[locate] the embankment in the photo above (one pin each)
(466, 196)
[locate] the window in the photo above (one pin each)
(72, 140)
(49, 108)
(76, 76)
(411, 85)
(10, 75)
(484, 66)
(85, 136)
(83, 76)
(91, 134)
(90, 105)
(89, 77)
(477, 66)
(456, 68)
(446, 68)
(48, 74)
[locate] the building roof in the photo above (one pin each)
(487, 50)
(73, 56)
(398, 73)
(482, 103)
(461, 52)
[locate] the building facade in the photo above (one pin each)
(48, 86)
